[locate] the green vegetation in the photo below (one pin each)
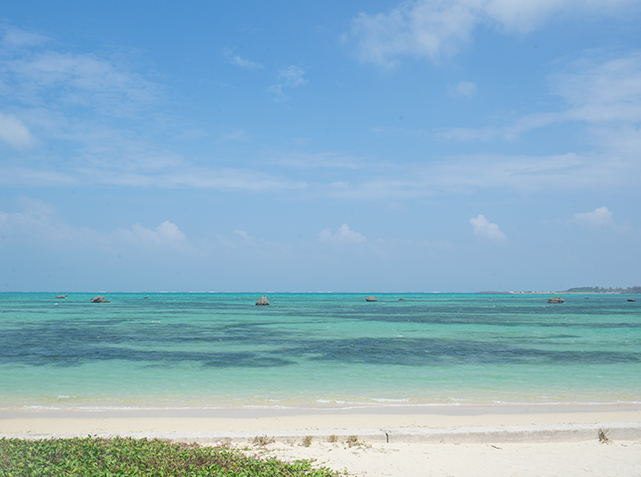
(353, 441)
(92, 456)
(631, 290)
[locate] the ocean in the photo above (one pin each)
(220, 350)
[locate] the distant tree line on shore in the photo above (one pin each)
(632, 290)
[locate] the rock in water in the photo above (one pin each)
(262, 301)
(99, 299)
(61, 296)
(370, 298)
(555, 299)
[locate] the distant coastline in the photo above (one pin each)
(636, 290)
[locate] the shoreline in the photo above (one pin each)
(504, 423)
(296, 407)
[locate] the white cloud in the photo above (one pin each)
(438, 28)
(78, 107)
(599, 90)
(140, 174)
(243, 234)
(422, 28)
(343, 235)
(14, 132)
(39, 221)
(39, 77)
(277, 91)
(166, 233)
(15, 37)
(293, 76)
(466, 89)
(333, 160)
(237, 60)
(374, 181)
(597, 218)
(483, 228)
(506, 133)
(469, 173)
(604, 94)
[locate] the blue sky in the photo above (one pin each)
(429, 145)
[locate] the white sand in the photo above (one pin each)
(472, 460)
(430, 441)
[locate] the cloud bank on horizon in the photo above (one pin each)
(188, 155)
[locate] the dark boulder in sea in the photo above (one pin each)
(631, 299)
(555, 299)
(370, 298)
(401, 299)
(61, 296)
(99, 299)
(262, 301)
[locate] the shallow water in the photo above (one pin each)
(220, 350)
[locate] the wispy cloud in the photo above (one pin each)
(483, 228)
(477, 172)
(12, 37)
(437, 29)
(76, 80)
(292, 77)
(464, 89)
(14, 132)
(505, 133)
(423, 28)
(326, 160)
(277, 91)
(596, 91)
(98, 121)
(136, 151)
(599, 88)
(235, 59)
(78, 112)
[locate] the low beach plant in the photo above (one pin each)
(307, 441)
(99, 457)
(603, 436)
(262, 440)
(352, 441)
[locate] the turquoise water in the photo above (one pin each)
(220, 350)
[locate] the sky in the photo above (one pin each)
(363, 146)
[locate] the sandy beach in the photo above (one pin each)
(390, 441)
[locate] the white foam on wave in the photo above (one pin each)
(390, 400)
